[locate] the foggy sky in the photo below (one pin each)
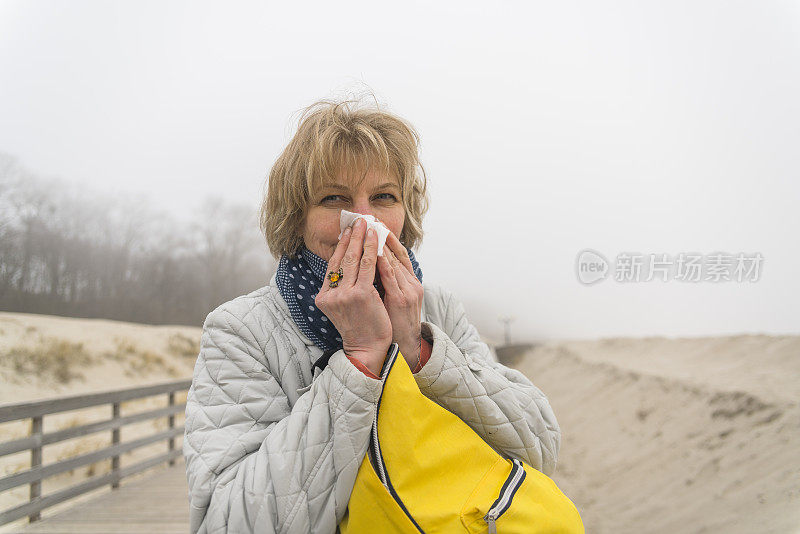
(547, 128)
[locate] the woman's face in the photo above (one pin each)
(377, 195)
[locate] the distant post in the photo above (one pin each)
(507, 328)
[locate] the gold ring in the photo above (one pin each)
(334, 277)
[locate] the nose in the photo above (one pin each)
(362, 207)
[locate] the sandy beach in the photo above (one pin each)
(677, 435)
(660, 435)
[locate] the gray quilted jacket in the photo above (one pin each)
(271, 446)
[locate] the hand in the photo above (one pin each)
(402, 298)
(354, 306)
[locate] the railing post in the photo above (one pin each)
(171, 424)
(115, 441)
(35, 412)
(36, 461)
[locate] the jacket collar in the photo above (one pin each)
(278, 298)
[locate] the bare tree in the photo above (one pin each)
(68, 251)
(229, 244)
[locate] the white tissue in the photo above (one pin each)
(348, 218)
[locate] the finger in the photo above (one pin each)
(366, 271)
(388, 275)
(352, 257)
(336, 260)
(404, 277)
(400, 275)
(400, 251)
(408, 283)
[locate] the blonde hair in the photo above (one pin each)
(334, 136)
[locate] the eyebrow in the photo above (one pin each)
(340, 187)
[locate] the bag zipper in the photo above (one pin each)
(503, 502)
(375, 447)
(374, 452)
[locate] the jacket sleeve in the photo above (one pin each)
(253, 463)
(500, 404)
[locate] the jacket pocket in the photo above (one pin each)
(492, 498)
(503, 502)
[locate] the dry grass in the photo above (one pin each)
(72, 422)
(84, 446)
(184, 346)
(50, 359)
(137, 361)
(125, 349)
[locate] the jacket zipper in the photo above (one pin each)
(376, 458)
(510, 487)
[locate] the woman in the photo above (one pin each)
(286, 383)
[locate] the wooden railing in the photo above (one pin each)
(35, 411)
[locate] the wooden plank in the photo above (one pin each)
(36, 462)
(38, 440)
(156, 503)
(40, 472)
(115, 437)
(171, 422)
(24, 410)
(73, 491)
(21, 444)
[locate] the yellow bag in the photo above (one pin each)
(428, 471)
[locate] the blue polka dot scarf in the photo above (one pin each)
(299, 280)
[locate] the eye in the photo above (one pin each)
(331, 198)
(391, 196)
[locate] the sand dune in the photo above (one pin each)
(685, 435)
(43, 356)
(94, 355)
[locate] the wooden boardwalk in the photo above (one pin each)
(155, 504)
